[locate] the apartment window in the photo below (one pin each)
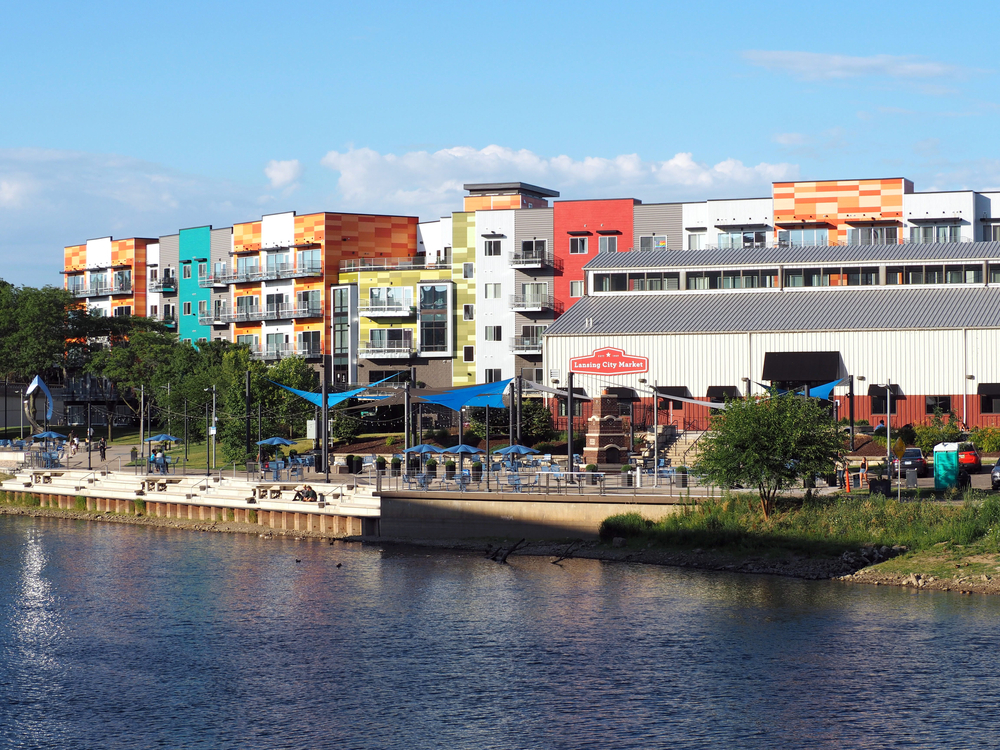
(878, 405)
(202, 307)
(468, 312)
(433, 300)
(123, 311)
(491, 291)
(577, 408)
(202, 270)
(248, 340)
(533, 248)
(247, 266)
(468, 354)
(186, 271)
(308, 260)
(696, 240)
(992, 233)
(391, 298)
(656, 242)
(153, 309)
(309, 343)
(186, 341)
(936, 233)
(577, 245)
(277, 262)
(202, 340)
(491, 248)
(704, 279)
(747, 238)
(187, 308)
(246, 303)
(576, 289)
(468, 270)
(308, 303)
(533, 333)
(169, 311)
(154, 274)
(937, 403)
(494, 333)
(492, 375)
(989, 403)
(608, 244)
(804, 237)
(873, 235)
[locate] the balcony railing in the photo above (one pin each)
(386, 349)
(535, 260)
(102, 290)
(284, 350)
(383, 264)
(271, 312)
(385, 309)
(526, 344)
(215, 318)
(532, 302)
(164, 284)
(268, 273)
(168, 320)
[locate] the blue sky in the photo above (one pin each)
(138, 119)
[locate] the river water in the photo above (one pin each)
(139, 637)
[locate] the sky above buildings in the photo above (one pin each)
(135, 119)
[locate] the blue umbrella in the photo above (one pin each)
(162, 438)
(49, 435)
(424, 448)
(275, 441)
(462, 448)
(519, 450)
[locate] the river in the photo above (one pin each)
(115, 636)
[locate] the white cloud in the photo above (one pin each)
(816, 66)
(430, 183)
(283, 173)
(52, 198)
(790, 139)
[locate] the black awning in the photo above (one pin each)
(581, 233)
(722, 392)
(674, 390)
(492, 235)
(608, 231)
(820, 367)
(879, 391)
(931, 220)
(988, 389)
(622, 393)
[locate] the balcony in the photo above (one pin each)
(354, 265)
(386, 349)
(271, 312)
(536, 259)
(164, 284)
(532, 302)
(284, 351)
(385, 309)
(168, 320)
(526, 344)
(216, 319)
(102, 290)
(256, 273)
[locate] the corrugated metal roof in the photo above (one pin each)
(844, 309)
(832, 254)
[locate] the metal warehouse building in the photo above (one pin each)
(925, 318)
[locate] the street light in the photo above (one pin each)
(167, 389)
(210, 447)
(656, 434)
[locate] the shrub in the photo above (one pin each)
(626, 467)
(987, 439)
(380, 463)
(545, 448)
(432, 464)
(390, 441)
(591, 467)
(79, 503)
(230, 514)
(140, 507)
(449, 465)
(477, 465)
(625, 525)
(396, 461)
(252, 516)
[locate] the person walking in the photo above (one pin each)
(864, 470)
(103, 448)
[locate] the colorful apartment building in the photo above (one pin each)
(108, 274)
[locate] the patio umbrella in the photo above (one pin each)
(49, 435)
(424, 448)
(275, 441)
(462, 448)
(518, 450)
(162, 438)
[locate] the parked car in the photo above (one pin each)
(969, 458)
(995, 476)
(913, 458)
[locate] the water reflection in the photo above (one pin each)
(138, 637)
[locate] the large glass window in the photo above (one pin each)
(743, 238)
(577, 245)
(309, 343)
(277, 262)
(533, 248)
(309, 302)
(248, 265)
(810, 237)
(491, 247)
(535, 292)
(433, 297)
(656, 242)
(696, 240)
(123, 281)
(704, 279)
(391, 298)
(873, 235)
(936, 233)
(576, 289)
(491, 291)
(608, 244)
(308, 260)
(937, 403)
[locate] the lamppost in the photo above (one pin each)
(167, 389)
(656, 433)
(210, 431)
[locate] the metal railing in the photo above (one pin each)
(533, 259)
(393, 309)
(165, 284)
(270, 312)
(102, 290)
(385, 349)
(267, 273)
(215, 318)
(400, 264)
(526, 344)
(532, 301)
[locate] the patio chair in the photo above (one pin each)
(424, 480)
(514, 482)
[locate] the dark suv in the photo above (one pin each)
(913, 458)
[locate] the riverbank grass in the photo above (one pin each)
(820, 526)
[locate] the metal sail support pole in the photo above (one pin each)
(407, 417)
(325, 426)
(519, 404)
(569, 422)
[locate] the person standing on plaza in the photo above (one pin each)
(103, 448)
(864, 470)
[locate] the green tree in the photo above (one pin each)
(938, 431)
(231, 390)
(536, 421)
(768, 443)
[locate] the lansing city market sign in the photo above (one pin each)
(609, 361)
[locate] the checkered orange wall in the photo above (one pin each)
(498, 202)
(836, 202)
(246, 236)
